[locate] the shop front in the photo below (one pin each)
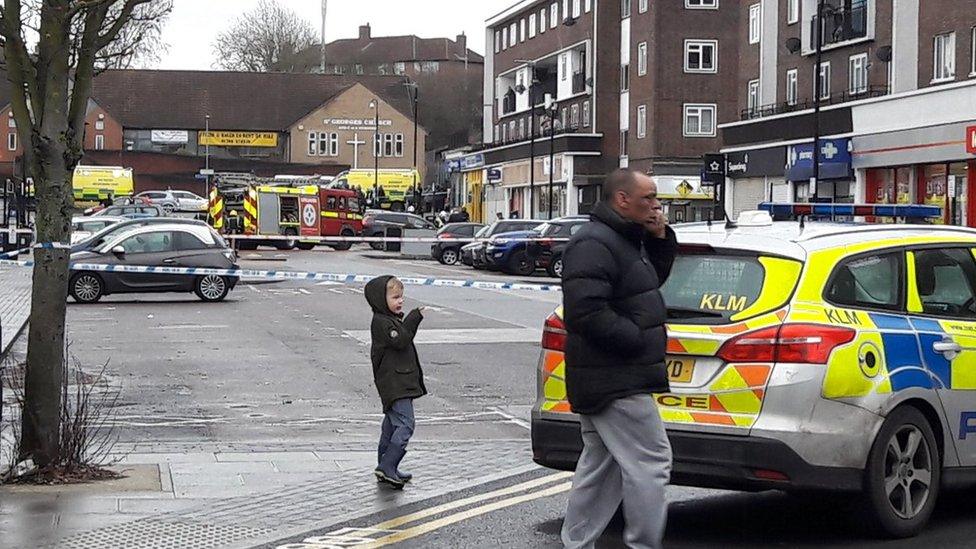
(757, 176)
(934, 166)
(685, 199)
(836, 180)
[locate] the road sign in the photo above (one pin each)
(971, 139)
(206, 172)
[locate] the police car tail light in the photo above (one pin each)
(554, 334)
(795, 343)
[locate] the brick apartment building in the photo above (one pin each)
(269, 123)
(630, 83)
(898, 94)
(447, 73)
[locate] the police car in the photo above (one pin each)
(810, 356)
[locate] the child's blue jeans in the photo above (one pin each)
(398, 427)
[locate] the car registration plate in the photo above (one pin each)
(680, 370)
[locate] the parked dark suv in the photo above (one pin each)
(548, 254)
(450, 238)
(474, 254)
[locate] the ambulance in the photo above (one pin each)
(395, 186)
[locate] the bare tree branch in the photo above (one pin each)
(266, 39)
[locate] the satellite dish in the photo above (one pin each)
(793, 44)
(884, 54)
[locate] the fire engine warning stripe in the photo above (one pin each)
(301, 275)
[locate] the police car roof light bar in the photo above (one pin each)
(865, 210)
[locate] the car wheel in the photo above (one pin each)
(450, 256)
(344, 246)
(87, 288)
(555, 269)
(168, 209)
(306, 246)
(378, 246)
(520, 264)
(903, 474)
(212, 288)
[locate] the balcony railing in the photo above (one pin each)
(835, 99)
(541, 135)
(841, 24)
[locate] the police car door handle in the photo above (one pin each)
(947, 347)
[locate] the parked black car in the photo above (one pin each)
(548, 254)
(101, 237)
(376, 222)
(474, 254)
(450, 239)
(159, 245)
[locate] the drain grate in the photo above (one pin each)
(157, 534)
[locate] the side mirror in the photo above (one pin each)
(119, 251)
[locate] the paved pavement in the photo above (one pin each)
(15, 298)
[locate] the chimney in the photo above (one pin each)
(364, 32)
(462, 42)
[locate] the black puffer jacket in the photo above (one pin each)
(614, 312)
(396, 366)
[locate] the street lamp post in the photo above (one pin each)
(552, 150)
(818, 78)
(207, 134)
(416, 114)
(377, 147)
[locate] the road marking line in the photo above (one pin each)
(514, 419)
(525, 486)
(434, 525)
(189, 327)
(304, 291)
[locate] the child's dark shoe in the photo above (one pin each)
(405, 477)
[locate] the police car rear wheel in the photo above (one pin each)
(904, 473)
(211, 288)
(86, 288)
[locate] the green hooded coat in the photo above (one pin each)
(396, 366)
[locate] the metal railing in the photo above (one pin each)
(834, 99)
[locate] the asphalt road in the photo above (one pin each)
(289, 361)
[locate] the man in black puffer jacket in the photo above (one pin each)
(615, 359)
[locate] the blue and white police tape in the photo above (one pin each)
(44, 246)
(384, 239)
(342, 278)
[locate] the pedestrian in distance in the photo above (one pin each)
(397, 374)
(615, 317)
(465, 216)
(456, 216)
(499, 216)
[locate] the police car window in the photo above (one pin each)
(871, 281)
(713, 284)
(944, 279)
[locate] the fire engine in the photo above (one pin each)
(242, 204)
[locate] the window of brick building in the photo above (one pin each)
(945, 57)
(701, 56)
(532, 27)
(11, 141)
(99, 142)
(699, 120)
(792, 88)
(701, 4)
(858, 74)
(642, 122)
(792, 11)
(554, 15)
(586, 114)
(755, 23)
(642, 59)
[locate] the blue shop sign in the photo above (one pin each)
(472, 162)
(835, 160)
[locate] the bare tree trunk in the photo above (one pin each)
(46, 339)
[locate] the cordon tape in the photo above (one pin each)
(343, 278)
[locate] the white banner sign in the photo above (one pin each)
(170, 136)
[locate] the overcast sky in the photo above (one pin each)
(194, 23)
